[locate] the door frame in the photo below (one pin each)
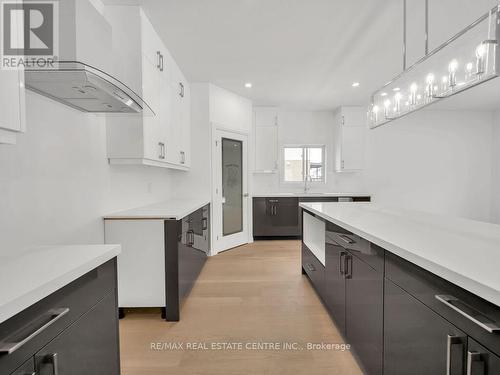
(219, 242)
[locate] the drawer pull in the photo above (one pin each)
(475, 364)
(27, 333)
(346, 239)
(204, 223)
(342, 263)
(310, 267)
(469, 312)
(454, 355)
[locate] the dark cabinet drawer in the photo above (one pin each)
(431, 290)
(417, 340)
(89, 346)
(480, 361)
(77, 297)
(314, 269)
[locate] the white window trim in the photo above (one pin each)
(301, 183)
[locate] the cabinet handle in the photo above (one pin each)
(454, 355)
(343, 164)
(346, 239)
(348, 266)
(204, 223)
(161, 63)
(475, 364)
(472, 314)
(275, 210)
(183, 157)
(162, 150)
(34, 328)
(53, 361)
(158, 54)
(181, 92)
(342, 263)
(310, 267)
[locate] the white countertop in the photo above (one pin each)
(464, 252)
(29, 275)
(173, 209)
(313, 195)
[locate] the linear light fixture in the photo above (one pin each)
(468, 59)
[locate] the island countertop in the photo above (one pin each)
(464, 252)
(173, 209)
(27, 276)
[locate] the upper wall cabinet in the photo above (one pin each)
(142, 60)
(266, 139)
(349, 136)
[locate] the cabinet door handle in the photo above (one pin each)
(346, 239)
(475, 364)
(469, 312)
(181, 91)
(348, 266)
(204, 223)
(162, 150)
(454, 355)
(183, 157)
(158, 64)
(28, 332)
(52, 359)
(161, 63)
(342, 263)
(275, 210)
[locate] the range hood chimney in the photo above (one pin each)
(81, 76)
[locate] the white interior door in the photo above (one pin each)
(230, 197)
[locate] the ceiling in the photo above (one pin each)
(302, 54)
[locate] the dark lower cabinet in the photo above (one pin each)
(480, 361)
(335, 283)
(365, 313)
(26, 369)
(88, 346)
(417, 340)
(276, 217)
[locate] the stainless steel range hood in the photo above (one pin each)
(85, 88)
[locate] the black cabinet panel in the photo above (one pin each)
(480, 361)
(425, 286)
(364, 313)
(314, 269)
(335, 283)
(89, 346)
(416, 340)
(261, 218)
(26, 369)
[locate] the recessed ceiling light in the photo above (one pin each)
(248, 85)
(396, 89)
(355, 84)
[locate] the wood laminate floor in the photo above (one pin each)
(252, 294)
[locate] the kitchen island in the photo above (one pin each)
(409, 290)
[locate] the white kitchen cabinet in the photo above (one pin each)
(350, 139)
(266, 120)
(143, 62)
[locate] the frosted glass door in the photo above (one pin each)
(232, 186)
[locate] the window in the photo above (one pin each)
(301, 162)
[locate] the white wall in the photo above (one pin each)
(436, 161)
(495, 206)
(55, 184)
